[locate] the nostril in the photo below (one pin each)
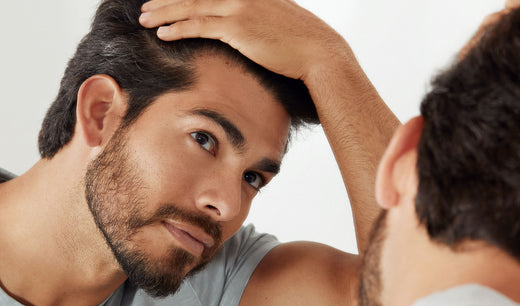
(213, 208)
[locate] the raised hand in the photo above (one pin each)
(277, 34)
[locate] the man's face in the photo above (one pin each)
(169, 189)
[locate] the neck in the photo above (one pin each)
(432, 267)
(63, 258)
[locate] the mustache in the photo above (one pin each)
(170, 211)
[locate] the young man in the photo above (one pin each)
(153, 151)
(449, 183)
(449, 179)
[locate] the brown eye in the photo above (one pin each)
(254, 179)
(205, 140)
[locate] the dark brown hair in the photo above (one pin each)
(146, 67)
(469, 152)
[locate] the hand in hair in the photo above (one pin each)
(277, 34)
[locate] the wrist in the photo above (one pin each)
(333, 61)
(337, 73)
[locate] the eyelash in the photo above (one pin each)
(214, 140)
(210, 138)
(261, 177)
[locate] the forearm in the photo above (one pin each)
(358, 125)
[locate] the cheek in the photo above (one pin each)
(166, 165)
(151, 239)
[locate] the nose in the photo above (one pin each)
(220, 196)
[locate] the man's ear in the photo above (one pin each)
(101, 105)
(398, 162)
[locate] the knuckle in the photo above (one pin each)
(191, 8)
(205, 19)
(188, 4)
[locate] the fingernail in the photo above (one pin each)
(144, 16)
(162, 31)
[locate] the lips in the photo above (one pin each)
(191, 238)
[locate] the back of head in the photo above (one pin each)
(146, 67)
(469, 153)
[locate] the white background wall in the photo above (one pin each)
(399, 43)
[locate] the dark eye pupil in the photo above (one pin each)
(249, 177)
(201, 138)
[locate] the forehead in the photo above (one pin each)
(224, 87)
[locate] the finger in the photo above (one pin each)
(204, 27)
(173, 11)
(155, 4)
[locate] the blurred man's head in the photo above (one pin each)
(453, 175)
(180, 136)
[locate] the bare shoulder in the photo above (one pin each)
(304, 273)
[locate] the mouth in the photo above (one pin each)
(190, 238)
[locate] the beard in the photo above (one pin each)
(116, 197)
(371, 287)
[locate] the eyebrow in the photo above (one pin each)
(237, 138)
(268, 165)
(232, 132)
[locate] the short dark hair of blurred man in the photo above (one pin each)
(449, 183)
